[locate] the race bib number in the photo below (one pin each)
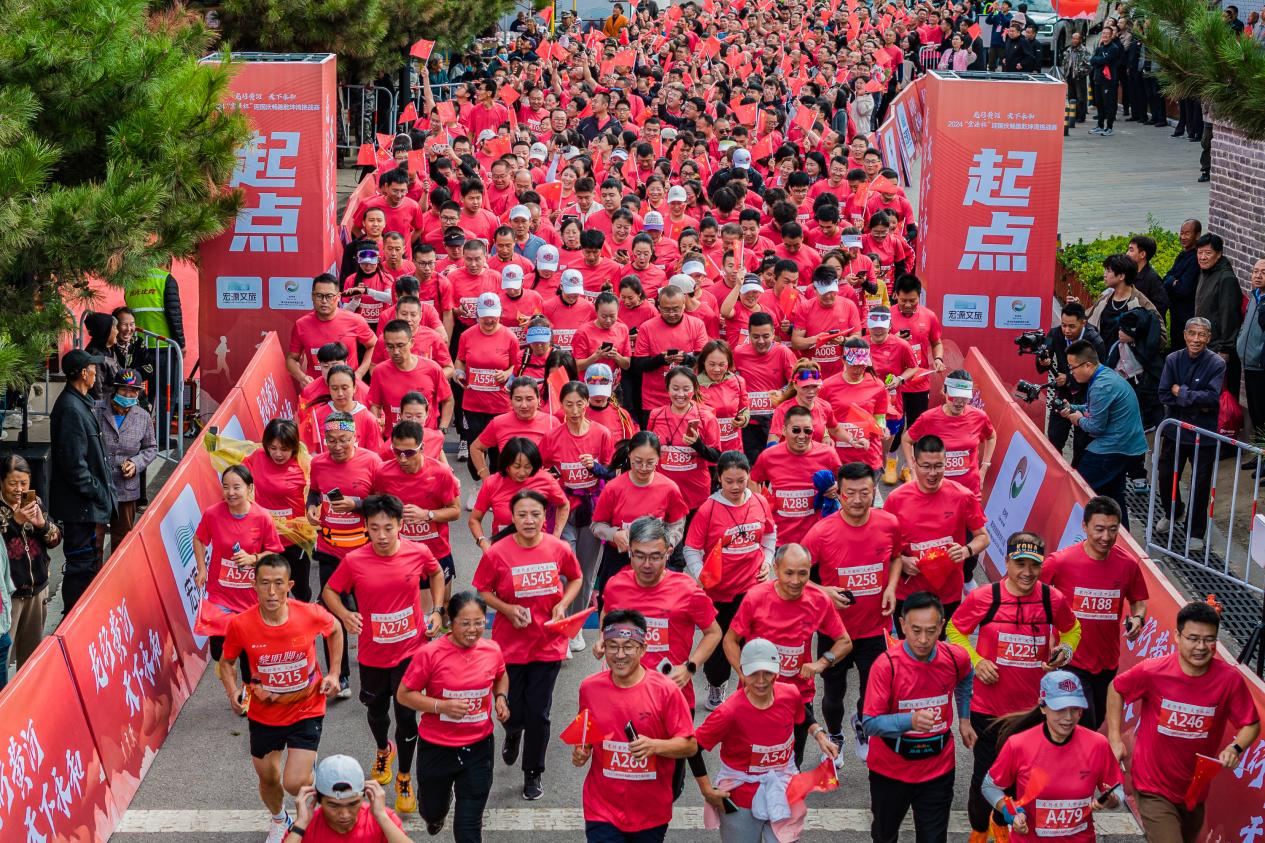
(1183, 720)
(862, 442)
(1061, 817)
(420, 531)
(576, 476)
(831, 352)
(761, 403)
(727, 429)
(1014, 649)
(766, 758)
(679, 458)
(863, 580)
(1096, 604)
(536, 580)
(563, 338)
(923, 547)
(791, 658)
(656, 635)
(392, 627)
(232, 576)
(341, 519)
(618, 763)
(476, 705)
(370, 309)
(794, 503)
(467, 306)
(939, 705)
(282, 513)
(284, 678)
(741, 538)
(482, 380)
(956, 462)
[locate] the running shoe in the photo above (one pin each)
(861, 745)
(1106, 133)
(382, 764)
(344, 689)
(470, 499)
(905, 475)
(889, 471)
(715, 696)
(509, 750)
(531, 787)
(463, 454)
(405, 799)
(278, 829)
(1097, 130)
(577, 643)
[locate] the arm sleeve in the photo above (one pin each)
(887, 725)
(956, 637)
(962, 694)
(992, 793)
(675, 530)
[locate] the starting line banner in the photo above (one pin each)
(1030, 487)
(83, 721)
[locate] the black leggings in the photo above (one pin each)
(835, 678)
(985, 751)
(530, 701)
(300, 572)
(476, 423)
(327, 564)
(377, 691)
(217, 653)
(465, 771)
(716, 668)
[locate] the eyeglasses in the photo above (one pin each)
(469, 624)
(644, 463)
(324, 296)
(629, 647)
(407, 453)
(800, 430)
(647, 557)
(1206, 640)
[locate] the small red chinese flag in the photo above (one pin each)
(820, 779)
(974, 31)
(421, 49)
(496, 147)
(446, 111)
(882, 184)
(546, 14)
(417, 162)
(889, 640)
(936, 565)
(409, 115)
(582, 731)
(212, 619)
(709, 577)
(1206, 769)
(788, 299)
(874, 86)
(859, 417)
(509, 96)
(384, 141)
(571, 624)
(711, 47)
(746, 114)
(763, 148)
(804, 118)
(366, 157)
(558, 378)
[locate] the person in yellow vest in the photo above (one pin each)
(155, 303)
(612, 25)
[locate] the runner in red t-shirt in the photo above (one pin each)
(406, 372)
(644, 723)
(327, 323)
(787, 611)
(1098, 576)
(486, 356)
(337, 808)
(280, 488)
(765, 367)
(854, 552)
(786, 471)
(724, 393)
(860, 402)
(968, 435)
(918, 326)
(458, 683)
(286, 705)
(384, 577)
(689, 435)
(525, 418)
(823, 322)
(665, 341)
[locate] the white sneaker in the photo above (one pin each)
(277, 829)
(715, 696)
(463, 451)
(1195, 545)
(861, 741)
(470, 499)
(577, 643)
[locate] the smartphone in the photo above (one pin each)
(630, 732)
(29, 497)
(692, 427)
(335, 494)
(673, 352)
(606, 346)
(729, 806)
(849, 596)
(904, 333)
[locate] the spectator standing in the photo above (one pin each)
(1141, 251)
(1190, 390)
(999, 20)
(1138, 355)
(1073, 326)
(1119, 296)
(1250, 346)
(1104, 64)
(101, 342)
(81, 496)
(1075, 69)
(1219, 299)
(127, 430)
(1182, 279)
(27, 533)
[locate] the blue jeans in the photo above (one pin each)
(5, 643)
(1105, 474)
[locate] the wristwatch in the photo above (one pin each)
(1238, 749)
(691, 667)
(829, 656)
(294, 829)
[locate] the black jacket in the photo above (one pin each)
(1057, 343)
(1021, 56)
(1219, 299)
(1109, 56)
(1181, 281)
(79, 483)
(1199, 379)
(171, 309)
(1152, 286)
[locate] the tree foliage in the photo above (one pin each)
(370, 37)
(114, 157)
(1201, 56)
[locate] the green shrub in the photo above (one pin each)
(1085, 259)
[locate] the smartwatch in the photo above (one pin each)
(691, 667)
(829, 656)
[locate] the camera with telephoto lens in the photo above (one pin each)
(1033, 342)
(1027, 392)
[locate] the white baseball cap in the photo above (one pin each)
(741, 158)
(570, 152)
(676, 193)
(339, 777)
(599, 378)
(693, 268)
(760, 654)
(652, 221)
(511, 277)
(489, 305)
(827, 285)
(572, 282)
(684, 283)
(547, 258)
(486, 134)
(538, 150)
(520, 212)
(751, 287)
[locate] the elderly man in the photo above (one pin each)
(1251, 349)
(1190, 390)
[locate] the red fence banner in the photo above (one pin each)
(988, 219)
(257, 275)
(1030, 487)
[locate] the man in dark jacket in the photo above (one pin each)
(1141, 250)
(1021, 51)
(1073, 327)
(1219, 299)
(79, 491)
(1182, 279)
(974, 44)
(1190, 390)
(1104, 74)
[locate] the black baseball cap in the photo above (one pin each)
(73, 362)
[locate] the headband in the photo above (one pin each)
(332, 423)
(856, 356)
(628, 631)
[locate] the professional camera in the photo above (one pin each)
(1027, 392)
(1030, 342)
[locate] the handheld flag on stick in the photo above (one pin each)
(409, 115)
(866, 421)
(709, 577)
(1206, 769)
(582, 731)
(571, 624)
(820, 779)
(366, 157)
(212, 619)
(421, 49)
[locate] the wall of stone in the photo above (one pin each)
(1236, 201)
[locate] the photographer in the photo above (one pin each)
(1073, 327)
(1110, 416)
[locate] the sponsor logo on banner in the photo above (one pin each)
(286, 293)
(963, 311)
(177, 529)
(1012, 497)
(239, 292)
(1022, 313)
(1074, 532)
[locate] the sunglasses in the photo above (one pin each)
(407, 453)
(800, 430)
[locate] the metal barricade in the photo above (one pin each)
(929, 56)
(167, 392)
(360, 114)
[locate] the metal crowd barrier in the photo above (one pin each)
(360, 113)
(168, 390)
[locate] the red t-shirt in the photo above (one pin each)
(223, 534)
(891, 357)
(390, 384)
(427, 343)
(1179, 717)
(629, 794)
(962, 436)
(310, 333)
(498, 489)
(403, 218)
(530, 577)
(1017, 640)
(858, 559)
(790, 480)
(924, 332)
(280, 489)
(312, 427)
(366, 829)
(282, 660)
(622, 501)
(655, 337)
(763, 374)
(561, 450)
(434, 486)
(507, 425)
(486, 355)
(467, 288)
(388, 598)
(814, 319)
(892, 251)
(673, 607)
(345, 531)
(1097, 591)
(932, 520)
(566, 319)
(588, 338)
(1076, 770)
(606, 272)
(790, 625)
(740, 530)
(680, 461)
(824, 419)
(527, 304)
(725, 399)
(902, 684)
(870, 396)
(752, 740)
(635, 317)
(443, 670)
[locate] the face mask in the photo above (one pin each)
(125, 402)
